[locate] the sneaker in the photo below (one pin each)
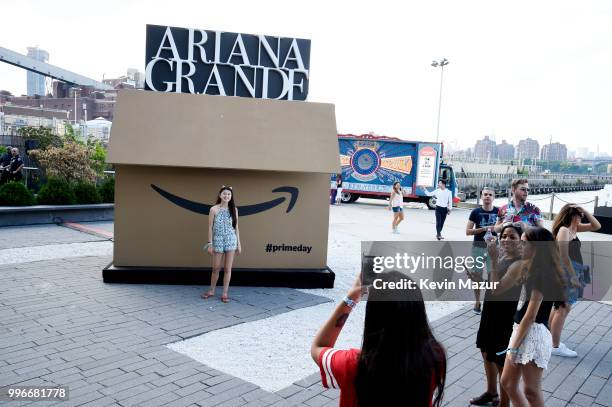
(395, 231)
(477, 309)
(564, 351)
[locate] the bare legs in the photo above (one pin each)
(477, 304)
(398, 217)
(216, 269)
(504, 399)
(531, 394)
(227, 272)
(556, 322)
(493, 372)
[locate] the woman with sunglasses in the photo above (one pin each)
(567, 225)
(530, 345)
(224, 240)
(498, 311)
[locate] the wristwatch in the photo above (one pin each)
(350, 303)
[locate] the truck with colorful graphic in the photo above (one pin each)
(371, 164)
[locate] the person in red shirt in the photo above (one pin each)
(399, 363)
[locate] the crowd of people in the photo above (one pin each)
(11, 166)
(539, 274)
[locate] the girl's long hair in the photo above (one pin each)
(564, 218)
(231, 205)
(400, 186)
(401, 363)
(545, 266)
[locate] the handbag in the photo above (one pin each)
(586, 273)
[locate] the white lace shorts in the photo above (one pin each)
(536, 346)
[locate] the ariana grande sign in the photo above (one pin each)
(187, 60)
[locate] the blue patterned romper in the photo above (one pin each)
(224, 235)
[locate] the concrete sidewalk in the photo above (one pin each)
(62, 326)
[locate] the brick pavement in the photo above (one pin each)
(60, 325)
(38, 235)
(582, 381)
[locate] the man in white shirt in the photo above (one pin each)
(444, 204)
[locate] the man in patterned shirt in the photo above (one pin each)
(518, 209)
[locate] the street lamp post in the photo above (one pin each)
(74, 90)
(441, 63)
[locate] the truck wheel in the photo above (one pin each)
(431, 203)
(348, 197)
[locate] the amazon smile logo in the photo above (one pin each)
(245, 210)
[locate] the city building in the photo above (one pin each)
(485, 149)
(99, 128)
(554, 152)
(36, 82)
(505, 151)
(582, 152)
(89, 102)
(15, 117)
(528, 149)
(137, 77)
(134, 79)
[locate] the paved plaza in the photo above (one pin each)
(61, 325)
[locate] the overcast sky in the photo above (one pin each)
(517, 69)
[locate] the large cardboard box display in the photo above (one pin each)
(173, 152)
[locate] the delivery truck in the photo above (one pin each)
(370, 165)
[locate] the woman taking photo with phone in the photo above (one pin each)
(224, 240)
(400, 362)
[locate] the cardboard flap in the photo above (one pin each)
(201, 131)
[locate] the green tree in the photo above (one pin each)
(97, 156)
(43, 135)
(71, 162)
(72, 135)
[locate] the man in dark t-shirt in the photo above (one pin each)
(481, 220)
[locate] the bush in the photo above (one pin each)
(15, 194)
(107, 190)
(56, 192)
(86, 193)
(70, 162)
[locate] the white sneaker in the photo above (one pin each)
(564, 351)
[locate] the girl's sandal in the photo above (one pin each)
(207, 295)
(225, 299)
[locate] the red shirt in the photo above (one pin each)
(339, 370)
